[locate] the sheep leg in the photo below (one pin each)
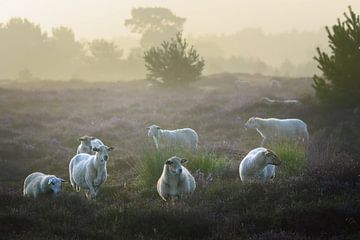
(91, 188)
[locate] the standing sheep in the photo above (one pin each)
(279, 129)
(89, 171)
(175, 180)
(39, 183)
(258, 165)
(87, 143)
(185, 137)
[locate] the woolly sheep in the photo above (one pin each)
(185, 137)
(269, 101)
(259, 165)
(38, 183)
(279, 129)
(87, 143)
(175, 180)
(273, 83)
(89, 172)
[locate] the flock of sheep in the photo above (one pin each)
(87, 169)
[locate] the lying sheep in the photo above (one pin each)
(274, 129)
(258, 165)
(39, 183)
(175, 180)
(89, 171)
(185, 137)
(87, 143)
(269, 101)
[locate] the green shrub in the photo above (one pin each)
(340, 80)
(173, 63)
(293, 158)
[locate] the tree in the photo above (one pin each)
(173, 63)
(156, 24)
(105, 51)
(339, 83)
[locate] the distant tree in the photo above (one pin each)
(65, 53)
(173, 63)
(155, 24)
(105, 51)
(25, 75)
(339, 83)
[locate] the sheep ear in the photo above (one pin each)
(62, 180)
(81, 139)
(110, 148)
(183, 160)
(50, 181)
(168, 162)
(268, 153)
(95, 149)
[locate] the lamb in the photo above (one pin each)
(259, 165)
(185, 137)
(87, 143)
(37, 184)
(175, 180)
(89, 172)
(279, 129)
(269, 101)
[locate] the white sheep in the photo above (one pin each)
(258, 165)
(87, 143)
(185, 137)
(89, 172)
(273, 83)
(175, 180)
(269, 101)
(38, 183)
(274, 130)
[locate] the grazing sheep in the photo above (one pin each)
(258, 165)
(89, 171)
(87, 143)
(175, 180)
(279, 129)
(273, 83)
(269, 101)
(39, 183)
(185, 137)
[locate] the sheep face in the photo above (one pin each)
(174, 165)
(55, 184)
(251, 123)
(153, 131)
(271, 158)
(86, 140)
(102, 153)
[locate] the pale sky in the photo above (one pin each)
(105, 18)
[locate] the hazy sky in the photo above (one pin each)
(105, 18)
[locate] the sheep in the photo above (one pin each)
(175, 180)
(89, 172)
(37, 184)
(279, 129)
(269, 101)
(273, 83)
(185, 137)
(259, 165)
(87, 143)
